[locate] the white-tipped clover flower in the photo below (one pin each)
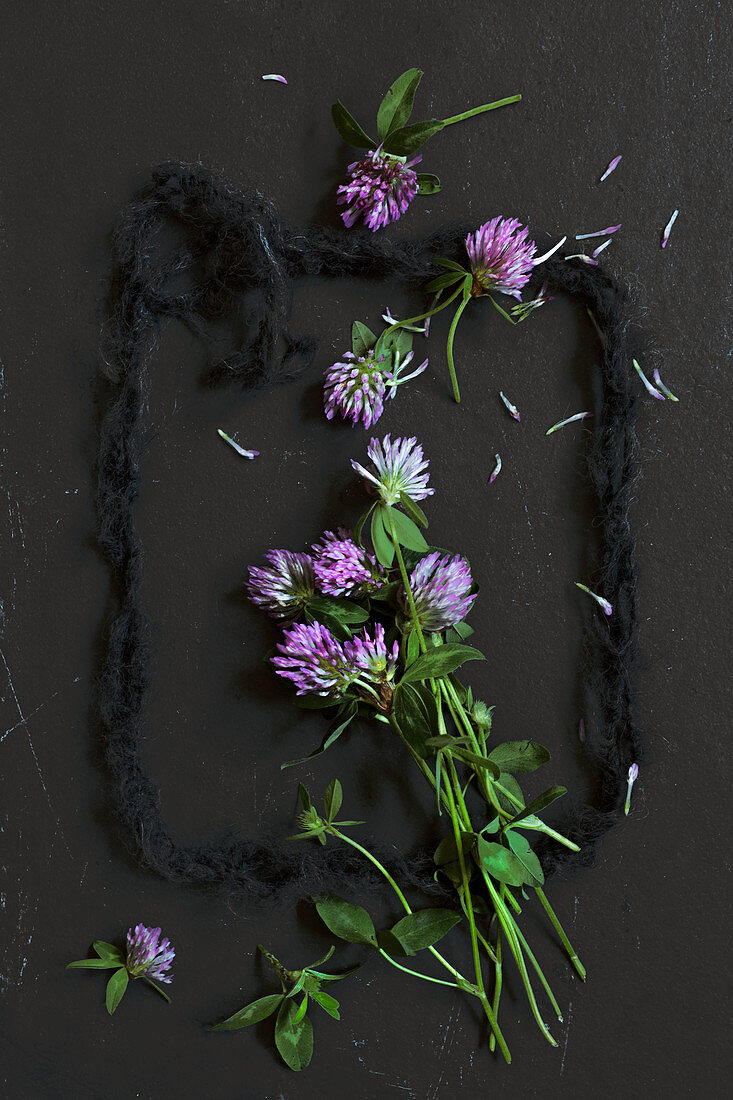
(357, 387)
(398, 467)
(441, 590)
(285, 586)
(343, 568)
(148, 955)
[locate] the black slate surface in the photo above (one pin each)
(94, 95)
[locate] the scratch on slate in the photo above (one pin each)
(24, 722)
(567, 1033)
(448, 1038)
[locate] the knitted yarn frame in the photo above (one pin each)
(234, 242)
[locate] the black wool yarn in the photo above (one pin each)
(233, 243)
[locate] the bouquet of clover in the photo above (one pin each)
(377, 630)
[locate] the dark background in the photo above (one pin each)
(94, 94)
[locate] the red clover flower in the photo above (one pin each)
(148, 956)
(358, 387)
(399, 467)
(343, 568)
(441, 590)
(285, 586)
(379, 189)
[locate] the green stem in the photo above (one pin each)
(539, 972)
(497, 981)
(503, 312)
(383, 871)
(561, 933)
(451, 335)
(481, 110)
(416, 974)
(422, 316)
(406, 582)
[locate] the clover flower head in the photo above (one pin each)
(314, 661)
(378, 189)
(148, 955)
(376, 664)
(284, 587)
(343, 568)
(441, 590)
(358, 387)
(501, 257)
(399, 467)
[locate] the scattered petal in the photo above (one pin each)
(541, 259)
(599, 599)
(600, 248)
(387, 316)
(511, 408)
(582, 256)
(497, 470)
(650, 388)
(275, 76)
(668, 228)
(597, 233)
(570, 419)
(581, 731)
(612, 165)
(662, 387)
(633, 774)
(240, 450)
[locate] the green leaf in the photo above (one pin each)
(305, 798)
(519, 756)
(440, 662)
(293, 1038)
(510, 784)
(251, 1013)
(360, 526)
(478, 761)
(501, 864)
(328, 1003)
(116, 987)
(446, 856)
(93, 964)
(396, 107)
(349, 128)
(301, 1010)
(333, 733)
(398, 342)
(347, 921)
(407, 139)
(381, 541)
(406, 532)
(539, 803)
(362, 339)
(424, 927)
(520, 846)
(336, 977)
(427, 183)
(413, 510)
(108, 951)
(156, 987)
(417, 720)
(442, 282)
(451, 265)
(332, 799)
(344, 611)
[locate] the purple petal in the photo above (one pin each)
(668, 228)
(570, 419)
(275, 76)
(650, 388)
(608, 609)
(496, 471)
(597, 232)
(240, 450)
(662, 387)
(582, 256)
(512, 409)
(600, 248)
(612, 165)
